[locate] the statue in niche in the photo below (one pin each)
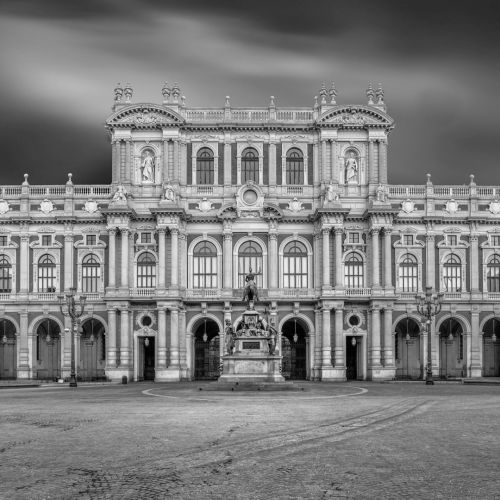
(381, 193)
(229, 337)
(351, 169)
(148, 166)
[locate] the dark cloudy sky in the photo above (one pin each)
(438, 62)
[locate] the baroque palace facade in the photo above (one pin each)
(199, 198)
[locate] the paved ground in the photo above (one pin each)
(151, 441)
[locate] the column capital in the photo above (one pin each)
(429, 237)
(326, 230)
(111, 231)
(174, 230)
(69, 238)
(161, 229)
(388, 230)
(338, 230)
(374, 231)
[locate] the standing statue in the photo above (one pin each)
(251, 293)
(168, 191)
(120, 194)
(148, 167)
(351, 168)
(271, 338)
(381, 193)
(229, 332)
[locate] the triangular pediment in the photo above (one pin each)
(354, 117)
(144, 116)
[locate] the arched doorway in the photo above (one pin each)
(206, 350)
(48, 350)
(8, 361)
(491, 348)
(92, 351)
(451, 348)
(407, 350)
(293, 350)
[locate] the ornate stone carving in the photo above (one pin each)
(295, 205)
(4, 207)
(46, 206)
(91, 206)
(408, 206)
(169, 193)
(494, 207)
(452, 206)
(120, 195)
(205, 205)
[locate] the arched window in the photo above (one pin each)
(295, 265)
(294, 167)
(408, 274)
(250, 257)
(46, 274)
(205, 166)
(354, 271)
(249, 166)
(5, 275)
(452, 274)
(91, 272)
(146, 270)
(205, 265)
(493, 274)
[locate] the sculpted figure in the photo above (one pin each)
(381, 195)
(168, 192)
(251, 293)
(148, 167)
(351, 168)
(271, 338)
(120, 194)
(229, 337)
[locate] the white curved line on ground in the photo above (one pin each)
(148, 392)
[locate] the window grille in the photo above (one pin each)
(408, 274)
(249, 166)
(91, 273)
(295, 167)
(146, 270)
(249, 257)
(452, 274)
(46, 240)
(493, 274)
(3, 241)
(46, 274)
(354, 277)
(91, 239)
(205, 265)
(295, 265)
(5, 275)
(205, 167)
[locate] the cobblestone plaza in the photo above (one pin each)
(355, 440)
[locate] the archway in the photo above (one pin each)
(8, 357)
(407, 349)
(491, 348)
(206, 350)
(451, 348)
(294, 350)
(92, 351)
(48, 350)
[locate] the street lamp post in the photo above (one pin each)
(69, 308)
(429, 305)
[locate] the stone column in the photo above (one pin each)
(68, 262)
(382, 162)
(272, 163)
(326, 257)
(228, 256)
(176, 168)
(25, 264)
(317, 258)
(476, 343)
(326, 344)
(162, 338)
(317, 343)
(474, 264)
(124, 339)
(387, 258)
(375, 341)
(115, 161)
(430, 262)
(124, 262)
(227, 164)
(339, 281)
(24, 369)
(183, 259)
(174, 338)
(333, 160)
(128, 160)
(388, 339)
(339, 338)
(174, 252)
(273, 259)
(165, 174)
(112, 258)
(324, 163)
(184, 371)
(375, 258)
(161, 257)
(111, 339)
(372, 174)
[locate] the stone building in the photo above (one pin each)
(201, 196)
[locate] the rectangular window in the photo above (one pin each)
(408, 239)
(3, 241)
(46, 240)
(452, 240)
(145, 237)
(91, 239)
(354, 238)
(495, 240)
